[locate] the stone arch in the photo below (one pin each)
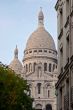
(38, 107)
(48, 107)
(47, 89)
(46, 85)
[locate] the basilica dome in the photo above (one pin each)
(40, 38)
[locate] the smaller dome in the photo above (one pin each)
(16, 64)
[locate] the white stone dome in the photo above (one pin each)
(40, 39)
(16, 64)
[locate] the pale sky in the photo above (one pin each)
(18, 19)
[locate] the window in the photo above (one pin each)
(48, 107)
(67, 47)
(61, 19)
(40, 50)
(35, 50)
(45, 50)
(30, 51)
(34, 66)
(60, 95)
(45, 66)
(50, 67)
(72, 4)
(39, 88)
(49, 51)
(67, 8)
(61, 56)
(53, 67)
(26, 68)
(48, 93)
(30, 67)
(67, 85)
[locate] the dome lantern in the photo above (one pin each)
(40, 18)
(16, 52)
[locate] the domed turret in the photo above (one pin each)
(16, 64)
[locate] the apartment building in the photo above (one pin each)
(64, 85)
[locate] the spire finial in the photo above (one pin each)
(16, 52)
(41, 17)
(41, 8)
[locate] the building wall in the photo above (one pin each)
(64, 85)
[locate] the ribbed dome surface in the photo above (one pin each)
(40, 39)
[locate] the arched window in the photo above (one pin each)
(39, 88)
(38, 107)
(34, 66)
(30, 67)
(48, 107)
(49, 67)
(45, 66)
(56, 66)
(48, 93)
(53, 67)
(26, 68)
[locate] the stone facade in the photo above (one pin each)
(40, 67)
(64, 85)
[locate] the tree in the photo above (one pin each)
(12, 95)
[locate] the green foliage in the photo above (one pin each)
(12, 96)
